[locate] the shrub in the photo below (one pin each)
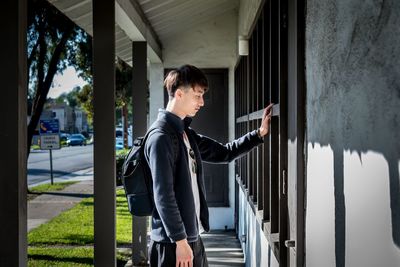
(119, 161)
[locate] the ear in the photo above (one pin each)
(178, 93)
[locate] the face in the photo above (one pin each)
(192, 100)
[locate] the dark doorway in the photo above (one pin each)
(212, 121)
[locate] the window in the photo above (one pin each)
(261, 78)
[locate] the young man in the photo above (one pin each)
(181, 211)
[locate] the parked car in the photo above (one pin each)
(64, 136)
(76, 140)
(119, 144)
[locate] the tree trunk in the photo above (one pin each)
(125, 121)
(74, 128)
(43, 85)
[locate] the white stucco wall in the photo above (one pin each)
(209, 45)
(353, 126)
(156, 90)
(256, 249)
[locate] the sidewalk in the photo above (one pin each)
(49, 205)
(223, 249)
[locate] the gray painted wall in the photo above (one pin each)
(353, 126)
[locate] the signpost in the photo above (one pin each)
(50, 138)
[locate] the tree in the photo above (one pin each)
(53, 42)
(72, 100)
(85, 98)
(123, 89)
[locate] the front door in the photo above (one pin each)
(212, 121)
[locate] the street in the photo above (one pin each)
(65, 161)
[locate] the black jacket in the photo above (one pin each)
(174, 217)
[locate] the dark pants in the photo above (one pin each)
(164, 254)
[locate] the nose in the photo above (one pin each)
(201, 101)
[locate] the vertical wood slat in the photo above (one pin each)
(283, 224)
(242, 100)
(274, 135)
(254, 108)
(104, 127)
(246, 111)
(266, 99)
(260, 149)
(253, 195)
(13, 133)
(249, 98)
(260, 104)
(242, 111)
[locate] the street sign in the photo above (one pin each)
(49, 131)
(50, 141)
(49, 126)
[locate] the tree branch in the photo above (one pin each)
(55, 58)
(32, 54)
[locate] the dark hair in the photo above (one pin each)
(186, 76)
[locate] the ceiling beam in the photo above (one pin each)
(134, 23)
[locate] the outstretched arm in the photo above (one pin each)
(215, 152)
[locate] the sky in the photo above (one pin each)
(65, 82)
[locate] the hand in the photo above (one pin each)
(266, 120)
(184, 254)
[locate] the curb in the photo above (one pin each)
(81, 175)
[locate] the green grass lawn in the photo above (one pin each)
(65, 257)
(74, 228)
(35, 147)
(50, 187)
(45, 256)
(37, 190)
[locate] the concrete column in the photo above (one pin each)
(13, 117)
(139, 112)
(156, 89)
(104, 128)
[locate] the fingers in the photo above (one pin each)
(184, 263)
(269, 108)
(268, 112)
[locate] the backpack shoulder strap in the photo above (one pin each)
(172, 133)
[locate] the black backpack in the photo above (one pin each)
(136, 174)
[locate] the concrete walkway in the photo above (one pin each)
(49, 205)
(223, 249)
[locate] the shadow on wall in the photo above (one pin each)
(353, 92)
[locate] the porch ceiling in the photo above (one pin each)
(147, 20)
(172, 17)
